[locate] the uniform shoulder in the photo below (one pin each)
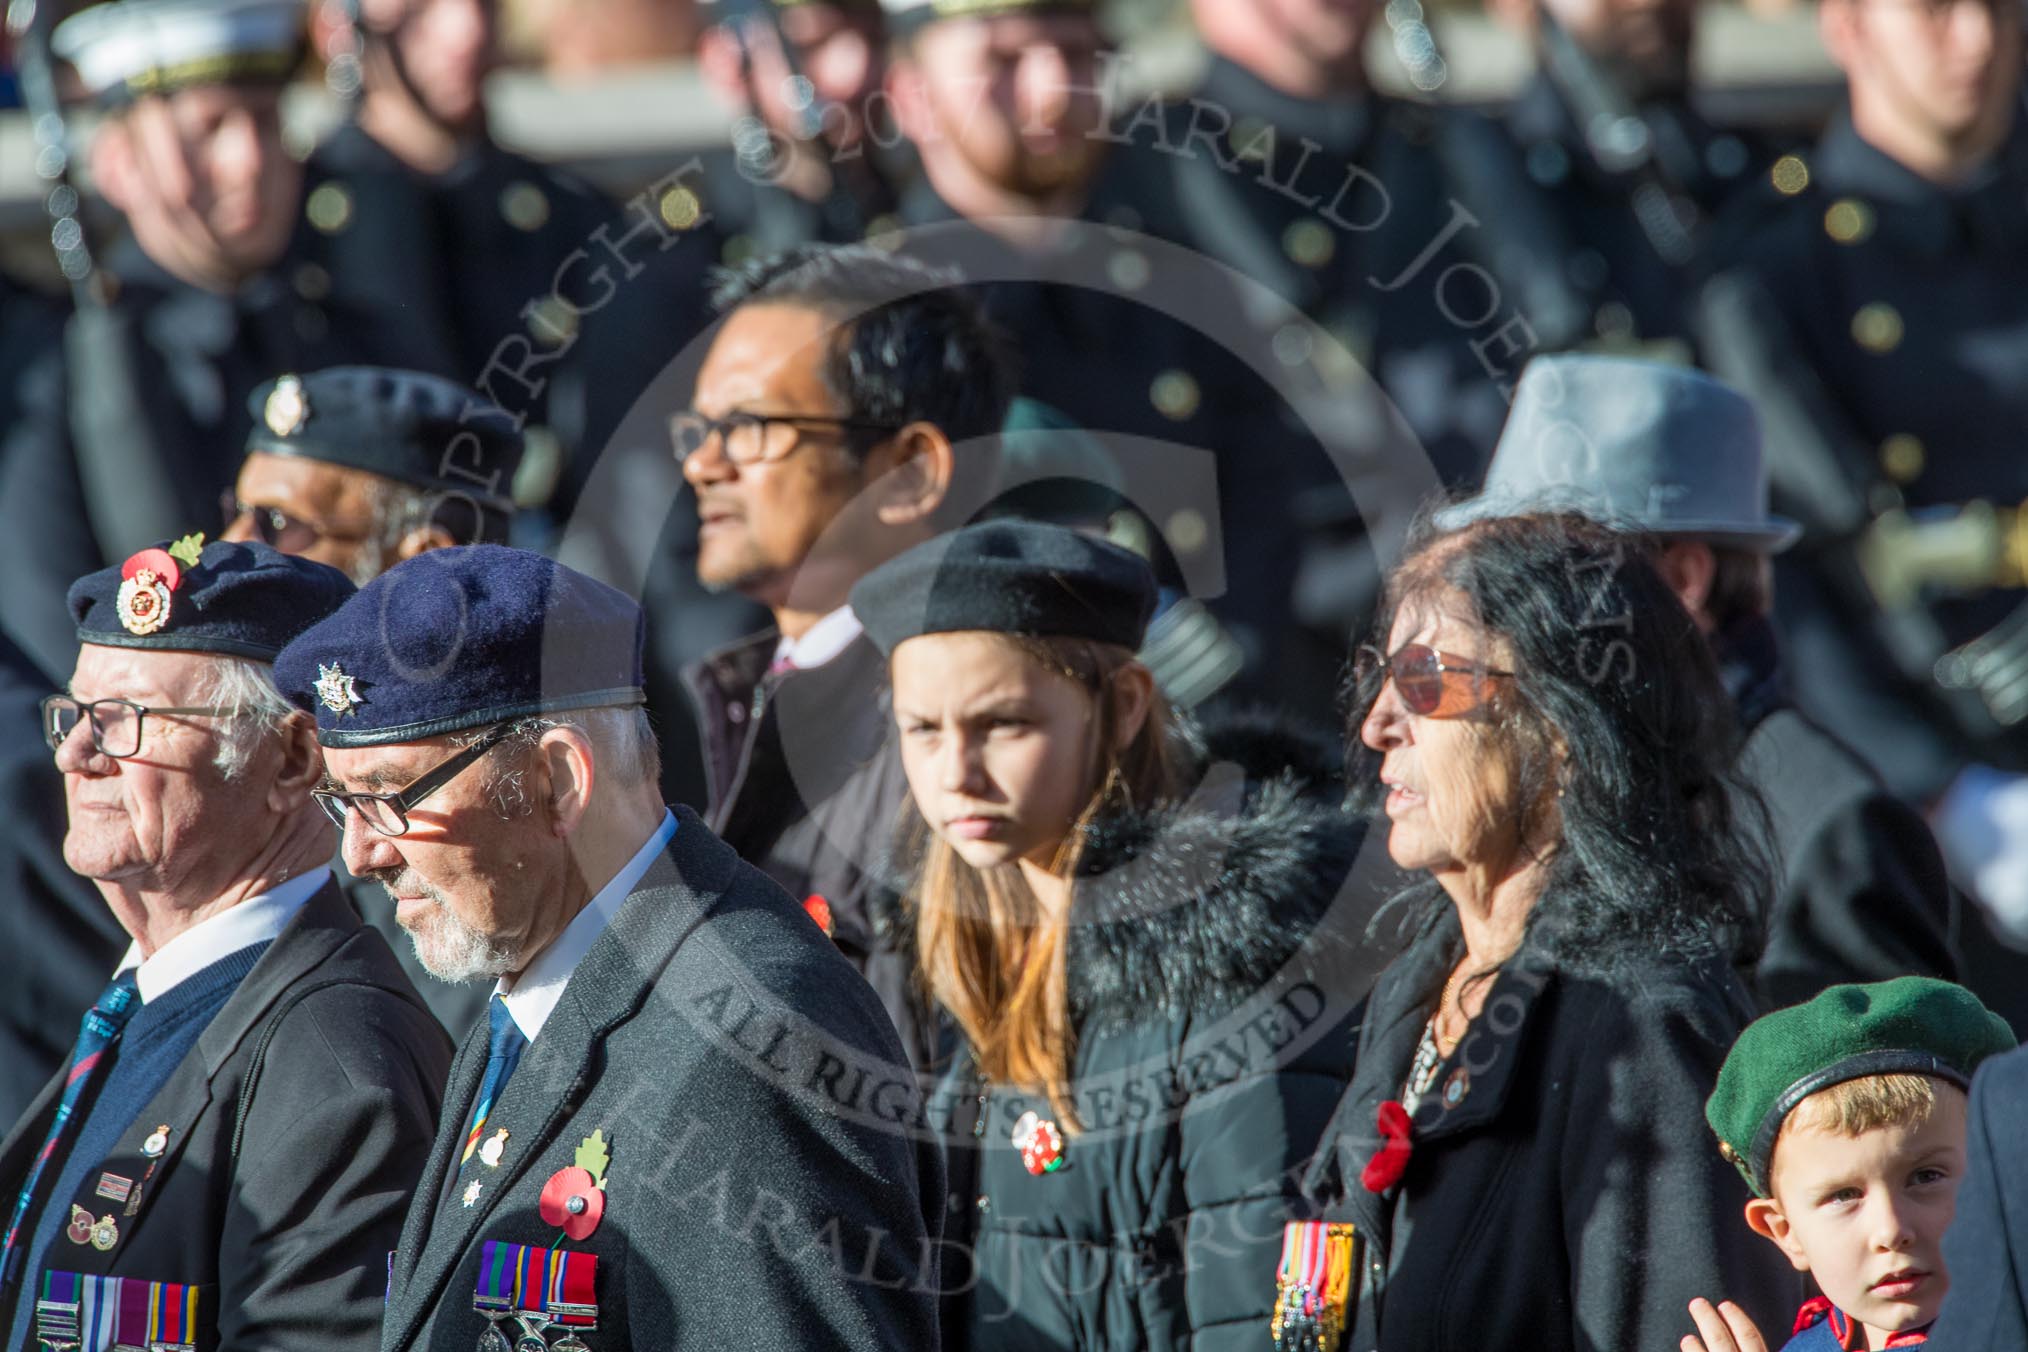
(1770, 222)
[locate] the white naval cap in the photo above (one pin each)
(133, 47)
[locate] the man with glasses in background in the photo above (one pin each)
(829, 432)
(362, 467)
(653, 1067)
(249, 1101)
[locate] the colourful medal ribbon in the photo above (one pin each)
(499, 1288)
(521, 1278)
(97, 1312)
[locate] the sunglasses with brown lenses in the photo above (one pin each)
(1432, 684)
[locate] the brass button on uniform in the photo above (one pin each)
(1849, 221)
(1903, 457)
(1175, 395)
(524, 206)
(1877, 328)
(329, 207)
(1309, 242)
(680, 208)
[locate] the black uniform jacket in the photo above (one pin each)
(281, 1188)
(1563, 1190)
(1213, 995)
(767, 1183)
(1880, 323)
(807, 785)
(1863, 894)
(1986, 1248)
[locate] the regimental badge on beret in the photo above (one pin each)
(338, 691)
(288, 407)
(147, 578)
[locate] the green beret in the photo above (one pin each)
(1912, 1025)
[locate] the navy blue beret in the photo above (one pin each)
(1011, 577)
(246, 600)
(420, 429)
(464, 638)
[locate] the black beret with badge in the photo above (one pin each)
(1912, 1025)
(243, 600)
(131, 48)
(1009, 577)
(461, 638)
(414, 428)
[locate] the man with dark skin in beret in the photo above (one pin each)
(361, 467)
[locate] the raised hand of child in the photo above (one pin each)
(1722, 1328)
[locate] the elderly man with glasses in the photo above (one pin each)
(225, 1161)
(682, 1107)
(837, 420)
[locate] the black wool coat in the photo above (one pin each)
(1563, 1190)
(767, 1181)
(1212, 1005)
(1863, 895)
(287, 1231)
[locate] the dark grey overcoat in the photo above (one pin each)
(769, 1182)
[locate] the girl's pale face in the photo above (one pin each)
(998, 748)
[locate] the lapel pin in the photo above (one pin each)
(493, 1148)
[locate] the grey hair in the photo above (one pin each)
(623, 746)
(255, 710)
(396, 510)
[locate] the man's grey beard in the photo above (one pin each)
(454, 952)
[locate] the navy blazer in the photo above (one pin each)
(1986, 1248)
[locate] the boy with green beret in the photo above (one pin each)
(1846, 1115)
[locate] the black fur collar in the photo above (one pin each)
(1195, 906)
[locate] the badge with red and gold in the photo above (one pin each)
(148, 578)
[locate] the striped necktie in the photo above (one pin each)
(503, 1053)
(101, 1029)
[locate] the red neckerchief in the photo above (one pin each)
(1851, 1337)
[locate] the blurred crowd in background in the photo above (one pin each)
(1270, 270)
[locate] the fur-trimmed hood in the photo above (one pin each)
(1194, 906)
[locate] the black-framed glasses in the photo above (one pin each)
(291, 534)
(387, 813)
(743, 436)
(116, 723)
(1432, 684)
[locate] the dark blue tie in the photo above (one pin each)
(503, 1053)
(101, 1029)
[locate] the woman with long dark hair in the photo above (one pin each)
(1521, 1159)
(1121, 938)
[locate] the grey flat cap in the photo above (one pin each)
(1637, 444)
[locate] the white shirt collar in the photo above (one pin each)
(258, 919)
(822, 641)
(532, 996)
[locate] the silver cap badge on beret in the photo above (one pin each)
(337, 690)
(287, 408)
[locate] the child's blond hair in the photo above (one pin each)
(1852, 1107)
